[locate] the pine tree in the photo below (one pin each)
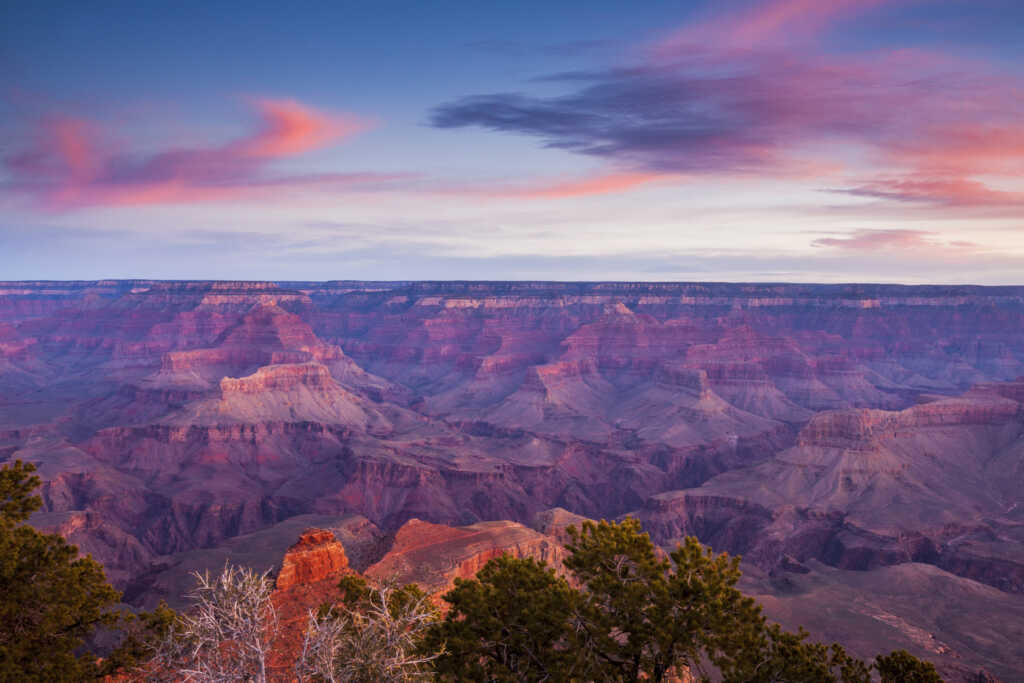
(51, 600)
(513, 622)
(902, 667)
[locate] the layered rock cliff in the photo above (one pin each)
(316, 556)
(434, 555)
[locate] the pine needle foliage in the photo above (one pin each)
(51, 600)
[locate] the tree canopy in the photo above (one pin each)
(902, 667)
(51, 600)
(513, 622)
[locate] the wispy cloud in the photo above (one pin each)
(944, 166)
(69, 162)
(597, 184)
(919, 241)
(950, 191)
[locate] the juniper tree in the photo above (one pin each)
(646, 614)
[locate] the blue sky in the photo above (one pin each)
(856, 140)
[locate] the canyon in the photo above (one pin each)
(861, 446)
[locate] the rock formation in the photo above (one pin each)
(317, 555)
(433, 555)
(309, 576)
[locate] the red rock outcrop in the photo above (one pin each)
(309, 576)
(434, 555)
(317, 555)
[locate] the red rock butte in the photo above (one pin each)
(317, 555)
(309, 576)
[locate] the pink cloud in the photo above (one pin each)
(789, 17)
(70, 164)
(64, 148)
(943, 129)
(71, 142)
(967, 148)
(949, 191)
(291, 129)
(746, 93)
(946, 164)
(889, 240)
(602, 184)
(905, 124)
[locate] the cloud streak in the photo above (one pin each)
(69, 163)
(599, 184)
(919, 241)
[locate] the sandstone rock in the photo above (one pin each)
(317, 555)
(309, 577)
(434, 555)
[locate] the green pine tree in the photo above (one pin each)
(902, 667)
(52, 600)
(513, 622)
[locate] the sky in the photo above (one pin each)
(721, 140)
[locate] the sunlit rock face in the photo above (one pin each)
(309, 574)
(859, 427)
(317, 555)
(434, 555)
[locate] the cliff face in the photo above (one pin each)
(862, 429)
(316, 556)
(430, 555)
(434, 555)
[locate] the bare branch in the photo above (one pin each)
(227, 634)
(378, 641)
